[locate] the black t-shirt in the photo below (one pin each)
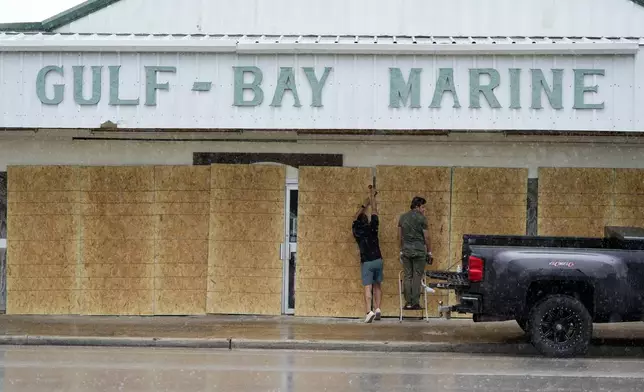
(367, 238)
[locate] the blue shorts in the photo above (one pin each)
(371, 272)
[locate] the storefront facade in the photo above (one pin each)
(166, 165)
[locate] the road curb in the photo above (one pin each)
(250, 344)
(420, 347)
(102, 341)
(520, 349)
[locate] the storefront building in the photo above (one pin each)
(208, 157)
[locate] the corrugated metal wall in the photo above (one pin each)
(374, 17)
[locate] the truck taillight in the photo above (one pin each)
(475, 269)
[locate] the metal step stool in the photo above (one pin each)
(401, 294)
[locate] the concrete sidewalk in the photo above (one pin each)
(283, 332)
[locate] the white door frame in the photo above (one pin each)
(287, 246)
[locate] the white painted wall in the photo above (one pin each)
(369, 17)
(487, 152)
(356, 94)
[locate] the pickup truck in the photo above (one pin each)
(554, 287)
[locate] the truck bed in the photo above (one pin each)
(627, 238)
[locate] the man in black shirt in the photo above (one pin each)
(366, 234)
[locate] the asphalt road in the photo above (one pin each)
(51, 369)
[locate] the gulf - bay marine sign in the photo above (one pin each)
(319, 92)
(401, 91)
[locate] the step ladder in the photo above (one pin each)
(401, 295)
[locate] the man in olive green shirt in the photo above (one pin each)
(415, 248)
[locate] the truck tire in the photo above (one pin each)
(560, 327)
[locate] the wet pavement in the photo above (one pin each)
(51, 369)
(295, 328)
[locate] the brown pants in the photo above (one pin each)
(414, 268)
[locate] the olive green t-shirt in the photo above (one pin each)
(413, 223)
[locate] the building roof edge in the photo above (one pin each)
(82, 10)
(64, 18)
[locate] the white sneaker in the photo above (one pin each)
(370, 317)
(428, 289)
(378, 314)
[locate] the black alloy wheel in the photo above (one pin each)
(561, 327)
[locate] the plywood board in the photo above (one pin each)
(42, 227)
(119, 227)
(247, 227)
(42, 178)
(577, 201)
(182, 251)
(188, 227)
(180, 275)
(573, 227)
(486, 201)
(117, 178)
(117, 248)
(397, 186)
(117, 302)
(182, 178)
(246, 303)
(413, 179)
(576, 180)
(40, 302)
(327, 277)
(42, 252)
(251, 177)
(244, 238)
(179, 303)
(43, 232)
(628, 207)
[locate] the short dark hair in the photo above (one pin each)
(417, 202)
(362, 218)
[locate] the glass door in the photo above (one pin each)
(289, 255)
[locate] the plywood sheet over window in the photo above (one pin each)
(397, 186)
(328, 260)
(246, 230)
(43, 239)
(628, 201)
(487, 201)
(182, 202)
(579, 201)
(118, 230)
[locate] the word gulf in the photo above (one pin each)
(285, 82)
(401, 91)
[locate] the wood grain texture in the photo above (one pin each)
(244, 241)
(181, 251)
(327, 277)
(397, 186)
(577, 201)
(486, 201)
(43, 238)
(118, 231)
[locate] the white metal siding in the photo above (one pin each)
(356, 94)
(371, 17)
